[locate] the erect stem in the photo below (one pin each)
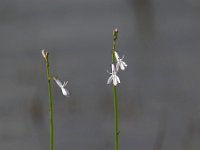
(114, 38)
(51, 133)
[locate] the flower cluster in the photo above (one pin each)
(120, 64)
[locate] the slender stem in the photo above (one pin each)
(50, 104)
(116, 132)
(115, 118)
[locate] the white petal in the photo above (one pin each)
(113, 69)
(117, 66)
(122, 66)
(116, 56)
(115, 80)
(58, 82)
(118, 80)
(65, 92)
(109, 79)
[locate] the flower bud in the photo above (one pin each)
(115, 34)
(44, 54)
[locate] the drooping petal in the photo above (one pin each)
(65, 92)
(115, 80)
(122, 66)
(109, 79)
(118, 80)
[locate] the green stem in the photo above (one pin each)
(115, 118)
(116, 132)
(50, 103)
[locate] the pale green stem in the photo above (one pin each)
(116, 132)
(51, 133)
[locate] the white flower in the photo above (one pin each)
(113, 76)
(120, 63)
(62, 86)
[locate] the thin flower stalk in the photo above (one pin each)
(51, 133)
(114, 38)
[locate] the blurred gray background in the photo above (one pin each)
(158, 98)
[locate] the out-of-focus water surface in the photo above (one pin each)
(158, 98)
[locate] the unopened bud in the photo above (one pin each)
(44, 54)
(116, 30)
(115, 34)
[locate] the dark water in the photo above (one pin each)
(158, 98)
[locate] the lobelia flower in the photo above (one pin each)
(120, 63)
(65, 92)
(113, 76)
